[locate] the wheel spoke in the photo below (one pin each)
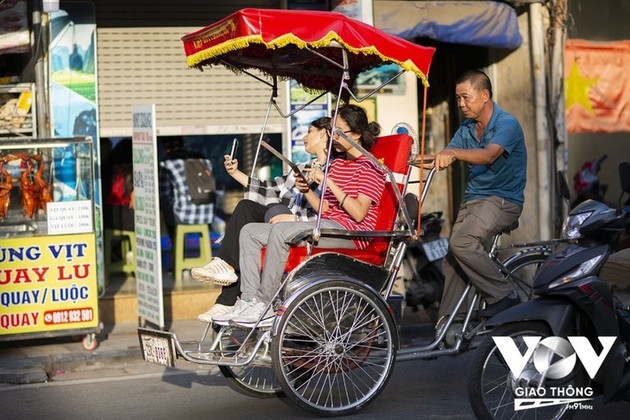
(336, 349)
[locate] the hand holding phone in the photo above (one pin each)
(293, 166)
(234, 147)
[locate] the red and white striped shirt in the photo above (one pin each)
(354, 177)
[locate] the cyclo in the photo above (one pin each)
(334, 339)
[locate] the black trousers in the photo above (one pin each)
(246, 211)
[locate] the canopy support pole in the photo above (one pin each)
(272, 100)
(342, 85)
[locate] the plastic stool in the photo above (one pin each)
(127, 240)
(181, 260)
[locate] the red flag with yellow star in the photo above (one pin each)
(597, 86)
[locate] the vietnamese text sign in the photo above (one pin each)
(147, 215)
(69, 217)
(48, 283)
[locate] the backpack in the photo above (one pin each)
(200, 181)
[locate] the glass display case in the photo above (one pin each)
(46, 187)
(47, 240)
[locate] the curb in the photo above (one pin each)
(23, 376)
(42, 369)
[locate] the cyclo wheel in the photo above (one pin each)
(522, 268)
(254, 380)
(492, 388)
(334, 348)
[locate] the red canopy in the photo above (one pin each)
(280, 43)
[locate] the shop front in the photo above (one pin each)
(48, 274)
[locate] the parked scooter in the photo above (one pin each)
(549, 357)
(422, 266)
(586, 182)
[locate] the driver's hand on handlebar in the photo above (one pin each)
(230, 165)
(443, 159)
(424, 161)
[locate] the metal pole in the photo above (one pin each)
(40, 29)
(543, 144)
(557, 106)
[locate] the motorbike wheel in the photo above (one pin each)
(492, 387)
(522, 268)
(334, 349)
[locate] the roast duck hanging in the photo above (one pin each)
(6, 184)
(36, 191)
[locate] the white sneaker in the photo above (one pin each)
(216, 310)
(251, 314)
(241, 305)
(217, 271)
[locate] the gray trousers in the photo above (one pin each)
(477, 222)
(255, 236)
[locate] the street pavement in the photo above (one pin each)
(38, 360)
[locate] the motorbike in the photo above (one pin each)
(549, 357)
(586, 182)
(421, 267)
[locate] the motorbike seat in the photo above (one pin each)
(509, 229)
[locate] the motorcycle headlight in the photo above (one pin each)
(582, 270)
(571, 225)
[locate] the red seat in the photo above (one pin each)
(393, 151)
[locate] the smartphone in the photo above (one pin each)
(234, 147)
(283, 158)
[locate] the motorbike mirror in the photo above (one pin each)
(624, 176)
(563, 187)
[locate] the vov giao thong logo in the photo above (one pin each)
(551, 358)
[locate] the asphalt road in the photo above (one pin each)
(423, 389)
(433, 389)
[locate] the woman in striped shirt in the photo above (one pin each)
(353, 188)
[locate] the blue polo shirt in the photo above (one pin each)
(507, 176)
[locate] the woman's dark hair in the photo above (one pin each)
(357, 121)
(322, 123)
(325, 123)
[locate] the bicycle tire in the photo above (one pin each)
(334, 350)
(255, 379)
